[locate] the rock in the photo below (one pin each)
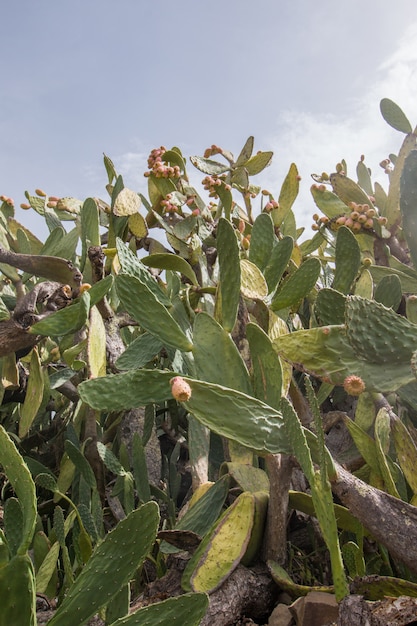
(315, 609)
(281, 616)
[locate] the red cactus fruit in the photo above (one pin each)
(354, 385)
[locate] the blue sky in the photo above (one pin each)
(85, 77)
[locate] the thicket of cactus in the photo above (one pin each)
(236, 334)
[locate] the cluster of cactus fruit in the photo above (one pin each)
(216, 331)
(361, 217)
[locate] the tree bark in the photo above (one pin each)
(279, 468)
(248, 592)
(392, 522)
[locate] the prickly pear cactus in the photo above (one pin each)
(17, 592)
(112, 564)
(17, 577)
(222, 549)
(408, 203)
(187, 609)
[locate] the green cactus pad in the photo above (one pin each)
(253, 284)
(303, 502)
(132, 266)
(382, 443)
(364, 286)
(208, 166)
(348, 260)
(278, 262)
(287, 196)
(187, 610)
(239, 417)
(247, 477)
(139, 352)
(321, 495)
(21, 480)
(73, 317)
(112, 565)
(126, 391)
(34, 395)
(217, 358)
(389, 292)
(90, 227)
(222, 550)
(298, 285)
(64, 321)
(378, 334)
(353, 559)
(262, 240)
(246, 152)
(226, 411)
(408, 203)
(267, 369)
(171, 262)
(258, 162)
(329, 307)
(394, 116)
(200, 517)
(328, 202)
(406, 452)
(17, 592)
(145, 308)
(326, 353)
(284, 582)
(408, 281)
(229, 270)
(348, 191)
(364, 178)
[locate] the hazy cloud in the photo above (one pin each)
(317, 142)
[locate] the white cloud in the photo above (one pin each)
(316, 142)
(131, 165)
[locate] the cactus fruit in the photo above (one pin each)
(354, 385)
(181, 390)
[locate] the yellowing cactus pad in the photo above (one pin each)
(223, 548)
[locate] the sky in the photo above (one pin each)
(87, 77)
